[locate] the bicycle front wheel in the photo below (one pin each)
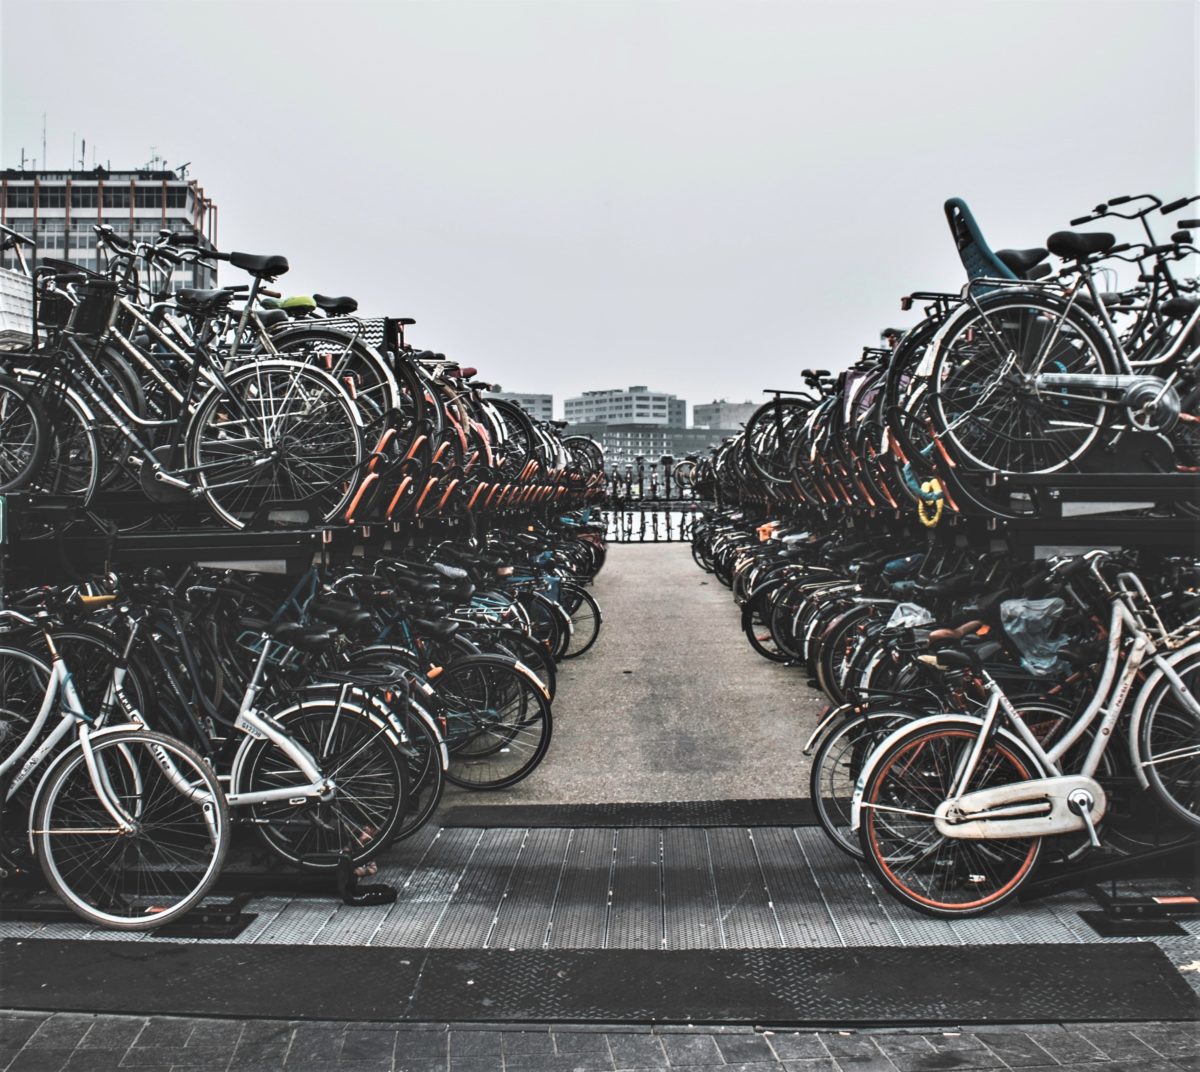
(941, 876)
(498, 721)
(156, 866)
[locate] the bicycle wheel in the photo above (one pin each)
(280, 439)
(23, 680)
(425, 751)
(530, 653)
(937, 875)
(24, 435)
(984, 403)
(1169, 743)
(586, 618)
(159, 869)
(357, 749)
(837, 763)
(498, 722)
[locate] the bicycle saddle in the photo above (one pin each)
(1021, 260)
(438, 630)
(302, 637)
(1075, 245)
(343, 615)
(963, 658)
(262, 267)
(202, 299)
(335, 306)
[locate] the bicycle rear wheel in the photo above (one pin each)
(937, 875)
(153, 873)
(282, 439)
(360, 752)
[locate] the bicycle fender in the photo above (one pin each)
(969, 722)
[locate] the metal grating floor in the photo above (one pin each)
(664, 888)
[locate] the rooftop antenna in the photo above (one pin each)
(182, 169)
(83, 153)
(22, 159)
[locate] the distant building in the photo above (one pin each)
(59, 209)
(630, 405)
(623, 443)
(722, 414)
(540, 407)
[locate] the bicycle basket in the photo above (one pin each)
(96, 309)
(54, 309)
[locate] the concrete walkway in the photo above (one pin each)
(671, 704)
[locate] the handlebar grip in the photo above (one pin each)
(1189, 224)
(1120, 200)
(217, 256)
(1083, 219)
(1174, 206)
(1121, 248)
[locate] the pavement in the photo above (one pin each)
(671, 703)
(69, 1042)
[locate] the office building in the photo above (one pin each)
(623, 443)
(721, 414)
(631, 405)
(60, 209)
(540, 407)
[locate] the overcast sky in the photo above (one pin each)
(703, 197)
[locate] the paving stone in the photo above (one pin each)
(692, 1050)
(475, 1044)
(40, 1059)
(111, 1033)
(797, 1046)
(419, 1064)
(368, 1046)
(476, 1063)
(557, 1062)
(581, 1042)
(1015, 1049)
(59, 1033)
(878, 1063)
(254, 1054)
(816, 1064)
(1117, 1043)
(96, 1060)
(166, 1032)
(154, 1056)
(744, 1049)
(313, 1044)
(860, 1046)
(1171, 1040)
(412, 1045)
(892, 1045)
(16, 1032)
(519, 1042)
(637, 1051)
(934, 1061)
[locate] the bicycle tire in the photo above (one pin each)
(97, 887)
